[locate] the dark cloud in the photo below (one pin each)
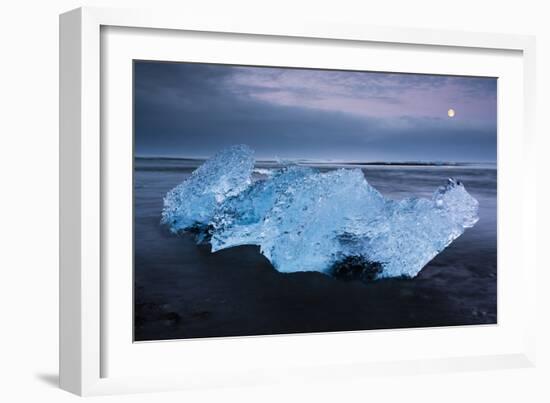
(190, 109)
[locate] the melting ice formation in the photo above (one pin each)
(305, 220)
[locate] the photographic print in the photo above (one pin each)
(278, 200)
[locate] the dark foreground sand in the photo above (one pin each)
(237, 292)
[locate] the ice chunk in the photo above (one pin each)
(333, 222)
(192, 204)
(302, 230)
(239, 221)
(407, 234)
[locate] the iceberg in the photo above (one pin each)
(304, 219)
(407, 234)
(242, 218)
(192, 204)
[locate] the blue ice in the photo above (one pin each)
(303, 219)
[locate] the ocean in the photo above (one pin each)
(182, 290)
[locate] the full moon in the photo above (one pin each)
(451, 112)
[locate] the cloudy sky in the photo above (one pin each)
(194, 110)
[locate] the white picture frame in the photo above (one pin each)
(88, 332)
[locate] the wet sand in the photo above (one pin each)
(184, 291)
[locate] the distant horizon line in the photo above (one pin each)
(332, 161)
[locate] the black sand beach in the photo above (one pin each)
(184, 291)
